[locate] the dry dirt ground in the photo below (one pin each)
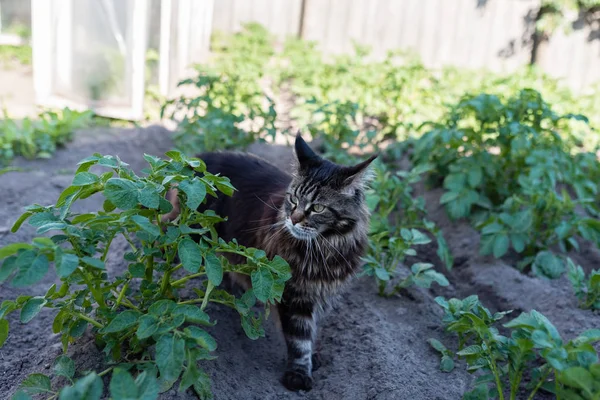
(372, 348)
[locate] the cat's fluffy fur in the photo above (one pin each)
(316, 219)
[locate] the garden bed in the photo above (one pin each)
(372, 347)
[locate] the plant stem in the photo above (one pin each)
(107, 247)
(121, 295)
(514, 387)
(209, 289)
(149, 268)
(494, 368)
(539, 385)
(187, 278)
(130, 243)
(97, 295)
(106, 371)
(88, 319)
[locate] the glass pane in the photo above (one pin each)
(92, 43)
(15, 18)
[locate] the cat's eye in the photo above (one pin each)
(318, 208)
(293, 200)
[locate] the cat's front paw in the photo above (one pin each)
(296, 380)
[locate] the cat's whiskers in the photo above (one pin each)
(322, 255)
(272, 207)
(334, 248)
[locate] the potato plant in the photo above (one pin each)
(397, 225)
(39, 137)
(227, 111)
(508, 166)
(586, 288)
(150, 319)
(568, 369)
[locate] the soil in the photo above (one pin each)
(371, 347)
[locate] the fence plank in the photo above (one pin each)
(489, 34)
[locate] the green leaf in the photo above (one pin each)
(137, 270)
(123, 321)
(501, 243)
(32, 268)
(8, 267)
(580, 378)
(436, 344)
(470, 350)
(447, 364)
(518, 241)
(224, 186)
(448, 197)
(122, 385)
(32, 308)
(84, 179)
(195, 192)
(3, 331)
(382, 273)
(108, 206)
(65, 263)
(162, 307)
(191, 374)
(13, 248)
(146, 225)
(64, 366)
(548, 265)
(93, 262)
(89, 387)
(202, 387)
(252, 327)
(475, 175)
(214, 269)
(43, 218)
(148, 326)
(122, 193)
(193, 314)
(36, 383)
(262, 284)
(170, 354)
(203, 338)
(280, 267)
(190, 255)
(481, 392)
(147, 386)
(52, 226)
(419, 238)
(18, 224)
(21, 395)
(443, 251)
(492, 228)
(149, 197)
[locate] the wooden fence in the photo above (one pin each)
(493, 34)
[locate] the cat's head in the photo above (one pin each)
(325, 198)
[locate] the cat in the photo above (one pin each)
(316, 219)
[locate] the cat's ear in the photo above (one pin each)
(305, 155)
(357, 176)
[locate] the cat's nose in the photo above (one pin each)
(296, 217)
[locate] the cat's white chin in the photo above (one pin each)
(300, 232)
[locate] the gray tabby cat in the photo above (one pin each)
(316, 219)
